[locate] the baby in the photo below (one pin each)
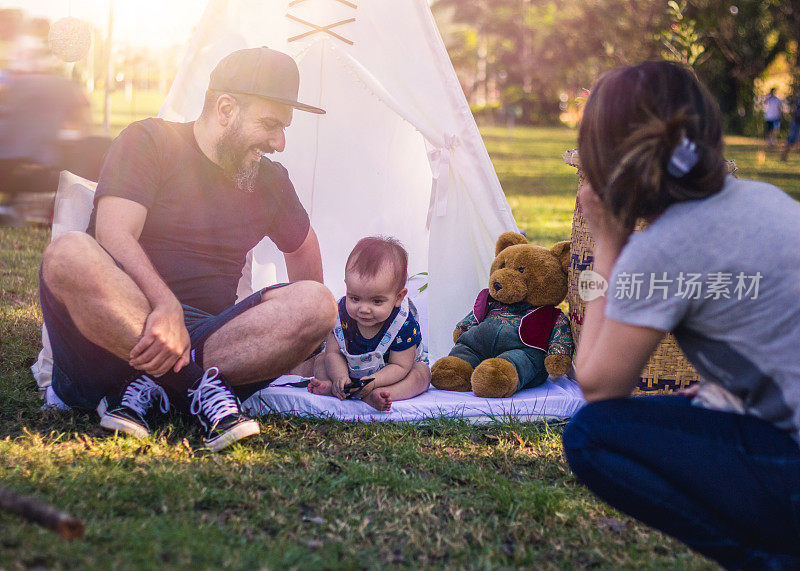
(375, 351)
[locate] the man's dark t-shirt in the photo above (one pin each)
(199, 225)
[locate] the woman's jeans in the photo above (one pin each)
(726, 485)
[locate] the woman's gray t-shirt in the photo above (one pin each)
(723, 274)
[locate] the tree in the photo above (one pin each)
(743, 40)
(534, 50)
(529, 52)
(791, 12)
(682, 40)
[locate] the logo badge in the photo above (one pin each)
(591, 285)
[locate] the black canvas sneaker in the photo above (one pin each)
(127, 412)
(219, 411)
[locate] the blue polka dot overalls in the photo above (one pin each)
(367, 364)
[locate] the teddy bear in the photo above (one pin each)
(514, 336)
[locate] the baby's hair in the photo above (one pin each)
(371, 254)
(633, 120)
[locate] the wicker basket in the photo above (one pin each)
(668, 369)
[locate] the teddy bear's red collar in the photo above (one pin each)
(535, 327)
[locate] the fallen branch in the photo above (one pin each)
(45, 515)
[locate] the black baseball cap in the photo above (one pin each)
(261, 72)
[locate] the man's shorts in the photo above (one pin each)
(83, 373)
(772, 125)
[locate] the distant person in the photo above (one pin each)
(141, 309)
(511, 112)
(375, 352)
(794, 129)
(718, 467)
(773, 110)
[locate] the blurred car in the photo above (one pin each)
(45, 127)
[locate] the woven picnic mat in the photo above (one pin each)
(668, 369)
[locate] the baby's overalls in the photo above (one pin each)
(367, 364)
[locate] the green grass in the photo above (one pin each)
(124, 110)
(541, 189)
(317, 493)
(320, 493)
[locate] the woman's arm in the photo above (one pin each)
(614, 364)
(611, 354)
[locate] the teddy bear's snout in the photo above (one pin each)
(507, 286)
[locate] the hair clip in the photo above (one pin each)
(683, 158)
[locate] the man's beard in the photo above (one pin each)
(232, 154)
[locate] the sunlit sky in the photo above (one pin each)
(152, 23)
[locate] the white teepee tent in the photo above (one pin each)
(398, 152)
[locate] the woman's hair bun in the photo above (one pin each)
(634, 121)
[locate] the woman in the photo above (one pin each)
(718, 265)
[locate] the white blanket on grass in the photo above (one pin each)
(556, 398)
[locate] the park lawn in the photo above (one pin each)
(312, 492)
(541, 189)
(125, 107)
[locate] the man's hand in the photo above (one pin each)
(164, 343)
(337, 388)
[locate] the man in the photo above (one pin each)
(773, 109)
(143, 311)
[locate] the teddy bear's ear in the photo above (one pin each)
(507, 239)
(561, 251)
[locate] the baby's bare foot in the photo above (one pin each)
(380, 400)
(318, 387)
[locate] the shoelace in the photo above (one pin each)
(213, 397)
(139, 394)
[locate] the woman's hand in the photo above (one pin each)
(608, 233)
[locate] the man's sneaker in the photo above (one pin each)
(219, 412)
(127, 414)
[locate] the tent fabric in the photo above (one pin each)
(398, 152)
(556, 398)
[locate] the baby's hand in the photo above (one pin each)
(337, 389)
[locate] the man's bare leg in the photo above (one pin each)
(271, 338)
(105, 304)
(304, 369)
(415, 383)
(110, 310)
